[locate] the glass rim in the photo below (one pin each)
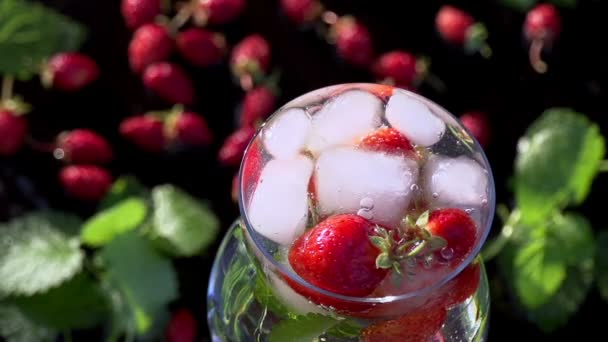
(293, 276)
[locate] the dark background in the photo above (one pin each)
(504, 86)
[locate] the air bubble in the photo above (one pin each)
(435, 194)
(469, 210)
(366, 214)
(59, 153)
(447, 253)
(367, 203)
(414, 187)
(484, 201)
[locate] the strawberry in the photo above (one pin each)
(418, 326)
(169, 82)
(252, 166)
(201, 47)
(353, 41)
(257, 105)
(139, 12)
(13, 128)
(151, 43)
(189, 128)
(234, 146)
(301, 11)
(459, 28)
(541, 28)
(83, 146)
(85, 182)
(182, 327)
(462, 287)
(251, 56)
(458, 230)
(396, 68)
(388, 140)
(145, 131)
(220, 11)
(477, 124)
(69, 71)
(381, 90)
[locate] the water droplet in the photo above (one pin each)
(484, 201)
(447, 253)
(469, 210)
(428, 262)
(58, 153)
(435, 194)
(367, 203)
(414, 187)
(366, 214)
(458, 142)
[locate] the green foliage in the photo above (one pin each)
(601, 261)
(16, 327)
(107, 224)
(123, 188)
(302, 329)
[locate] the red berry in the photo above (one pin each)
(397, 68)
(462, 287)
(145, 131)
(182, 327)
(192, 129)
(258, 104)
(457, 228)
(151, 43)
(221, 11)
(301, 11)
(353, 41)
(387, 140)
(85, 182)
(252, 166)
(418, 326)
(83, 146)
(250, 56)
(232, 151)
(70, 71)
(13, 128)
(543, 22)
(337, 255)
(200, 47)
(453, 24)
(477, 124)
(139, 12)
(169, 82)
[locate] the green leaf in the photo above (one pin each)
(520, 5)
(78, 303)
(601, 260)
(557, 161)
(105, 225)
(264, 294)
(16, 327)
(302, 329)
(185, 223)
(123, 188)
(346, 328)
(31, 33)
(37, 254)
(146, 280)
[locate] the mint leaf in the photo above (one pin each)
(146, 280)
(105, 225)
(346, 328)
(302, 329)
(37, 254)
(264, 294)
(187, 225)
(77, 303)
(15, 327)
(123, 188)
(31, 33)
(520, 5)
(557, 160)
(601, 260)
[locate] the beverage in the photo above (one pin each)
(363, 209)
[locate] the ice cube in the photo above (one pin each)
(279, 204)
(286, 134)
(459, 181)
(293, 300)
(374, 184)
(344, 119)
(414, 119)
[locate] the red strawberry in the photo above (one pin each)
(191, 129)
(396, 68)
(462, 287)
(139, 12)
(234, 146)
(70, 71)
(13, 128)
(252, 166)
(418, 326)
(258, 104)
(459, 28)
(182, 327)
(382, 91)
(220, 11)
(169, 82)
(541, 28)
(250, 56)
(83, 146)
(353, 41)
(85, 182)
(151, 43)
(145, 131)
(457, 228)
(201, 47)
(477, 124)
(301, 11)
(387, 140)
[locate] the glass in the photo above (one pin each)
(340, 151)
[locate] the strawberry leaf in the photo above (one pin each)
(16, 327)
(37, 254)
(31, 33)
(187, 225)
(557, 160)
(302, 329)
(105, 225)
(601, 259)
(145, 279)
(520, 5)
(123, 188)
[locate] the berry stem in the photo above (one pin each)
(535, 55)
(181, 17)
(510, 220)
(7, 87)
(603, 166)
